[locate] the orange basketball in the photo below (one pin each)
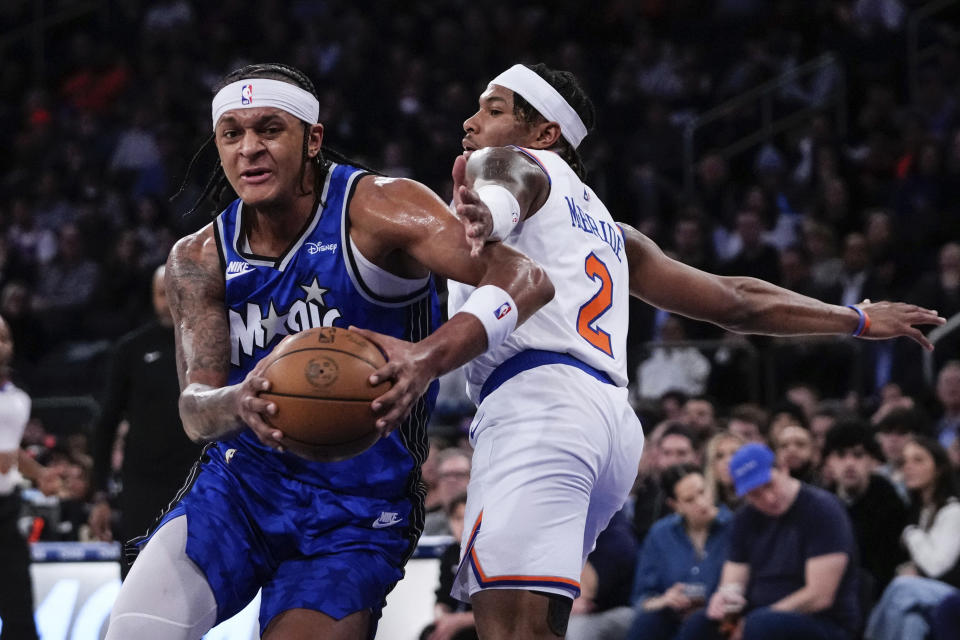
(319, 382)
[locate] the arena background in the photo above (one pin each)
(835, 123)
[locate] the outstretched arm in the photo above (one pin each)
(750, 305)
(210, 409)
(402, 222)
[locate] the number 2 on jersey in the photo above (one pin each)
(596, 306)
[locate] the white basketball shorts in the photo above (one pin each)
(555, 455)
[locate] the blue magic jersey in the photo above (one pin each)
(320, 281)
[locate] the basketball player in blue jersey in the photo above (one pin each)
(308, 242)
(556, 444)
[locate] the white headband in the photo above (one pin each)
(544, 98)
(263, 92)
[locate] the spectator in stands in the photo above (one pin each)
(823, 419)
(679, 564)
(789, 571)
(947, 427)
(933, 571)
(749, 421)
(675, 444)
(603, 610)
(720, 448)
(452, 619)
(671, 404)
(700, 415)
(755, 257)
(453, 476)
(794, 447)
(66, 285)
(142, 389)
(894, 430)
(878, 513)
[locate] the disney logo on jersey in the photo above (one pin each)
(257, 328)
(314, 248)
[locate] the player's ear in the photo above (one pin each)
(547, 135)
(315, 139)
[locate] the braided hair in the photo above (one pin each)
(218, 188)
(569, 88)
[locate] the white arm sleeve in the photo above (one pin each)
(937, 550)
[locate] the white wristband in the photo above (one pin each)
(503, 207)
(496, 310)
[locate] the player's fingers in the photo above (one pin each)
(469, 196)
(459, 172)
(256, 384)
(476, 246)
(917, 336)
(382, 341)
(389, 371)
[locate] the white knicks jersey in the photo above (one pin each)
(575, 240)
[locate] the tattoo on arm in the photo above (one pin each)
(195, 288)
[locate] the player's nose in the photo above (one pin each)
(470, 124)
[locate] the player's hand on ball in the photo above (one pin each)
(409, 374)
(253, 410)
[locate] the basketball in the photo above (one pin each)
(319, 382)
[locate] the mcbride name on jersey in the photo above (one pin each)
(576, 241)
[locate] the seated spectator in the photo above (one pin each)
(675, 444)
(749, 422)
(720, 448)
(603, 609)
(453, 620)
(66, 284)
(789, 568)
(794, 447)
(700, 415)
(679, 564)
(947, 427)
(453, 476)
(932, 542)
(894, 430)
(878, 514)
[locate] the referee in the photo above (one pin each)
(142, 388)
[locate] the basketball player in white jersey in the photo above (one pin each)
(556, 441)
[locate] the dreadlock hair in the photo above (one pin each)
(569, 88)
(218, 189)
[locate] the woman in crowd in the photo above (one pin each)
(933, 542)
(720, 448)
(680, 561)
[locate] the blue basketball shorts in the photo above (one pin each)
(251, 527)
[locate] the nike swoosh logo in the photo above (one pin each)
(473, 431)
(380, 524)
(231, 276)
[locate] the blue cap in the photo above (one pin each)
(750, 467)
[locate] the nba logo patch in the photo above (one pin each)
(246, 94)
(502, 310)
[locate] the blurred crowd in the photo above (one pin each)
(852, 203)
